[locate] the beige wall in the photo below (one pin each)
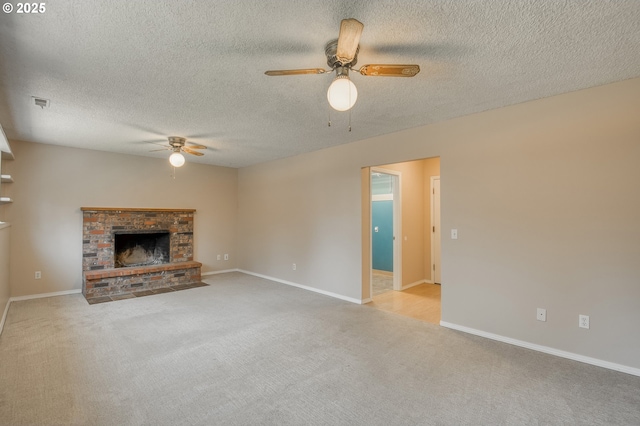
(544, 196)
(300, 211)
(51, 183)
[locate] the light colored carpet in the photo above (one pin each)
(247, 351)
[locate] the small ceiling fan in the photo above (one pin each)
(342, 55)
(177, 145)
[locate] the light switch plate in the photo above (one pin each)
(454, 234)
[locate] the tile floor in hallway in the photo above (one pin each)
(421, 302)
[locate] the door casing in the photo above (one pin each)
(436, 233)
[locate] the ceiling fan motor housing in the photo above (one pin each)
(177, 141)
(332, 60)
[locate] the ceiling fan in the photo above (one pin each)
(177, 145)
(342, 55)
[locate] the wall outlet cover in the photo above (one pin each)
(583, 321)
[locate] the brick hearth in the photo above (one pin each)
(102, 278)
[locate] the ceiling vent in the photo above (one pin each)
(42, 103)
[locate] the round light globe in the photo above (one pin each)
(342, 93)
(176, 159)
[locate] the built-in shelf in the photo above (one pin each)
(5, 200)
(6, 178)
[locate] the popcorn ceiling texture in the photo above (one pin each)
(120, 74)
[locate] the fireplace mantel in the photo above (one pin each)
(129, 209)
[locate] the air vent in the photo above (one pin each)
(42, 103)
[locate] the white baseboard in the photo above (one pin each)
(408, 286)
(42, 295)
(545, 349)
(225, 271)
(365, 301)
(304, 287)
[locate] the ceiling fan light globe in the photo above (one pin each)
(342, 93)
(176, 159)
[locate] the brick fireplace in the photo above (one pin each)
(128, 250)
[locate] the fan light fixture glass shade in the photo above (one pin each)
(176, 159)
(342, 93)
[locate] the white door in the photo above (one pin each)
(435, 229)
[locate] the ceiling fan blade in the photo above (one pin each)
(383, 70)
(348, 40)
(195, 146)
(296, 72)
(192, 152)
(163, 149)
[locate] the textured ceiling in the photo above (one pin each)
(120, 74)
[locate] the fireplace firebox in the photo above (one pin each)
(141, 248)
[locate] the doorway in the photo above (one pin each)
(386, 259)
(416, 238)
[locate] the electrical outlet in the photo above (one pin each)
(219, 257)
(293, 267)
(583, 321)
(226, 257)
(541, 314)
(38, 275)
(454, 234)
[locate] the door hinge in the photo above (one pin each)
(434, 229)
(434, 266)
(434, 191)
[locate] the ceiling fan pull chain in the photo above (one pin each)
(329, 117)
(349, 119)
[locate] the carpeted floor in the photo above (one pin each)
(247, 351)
